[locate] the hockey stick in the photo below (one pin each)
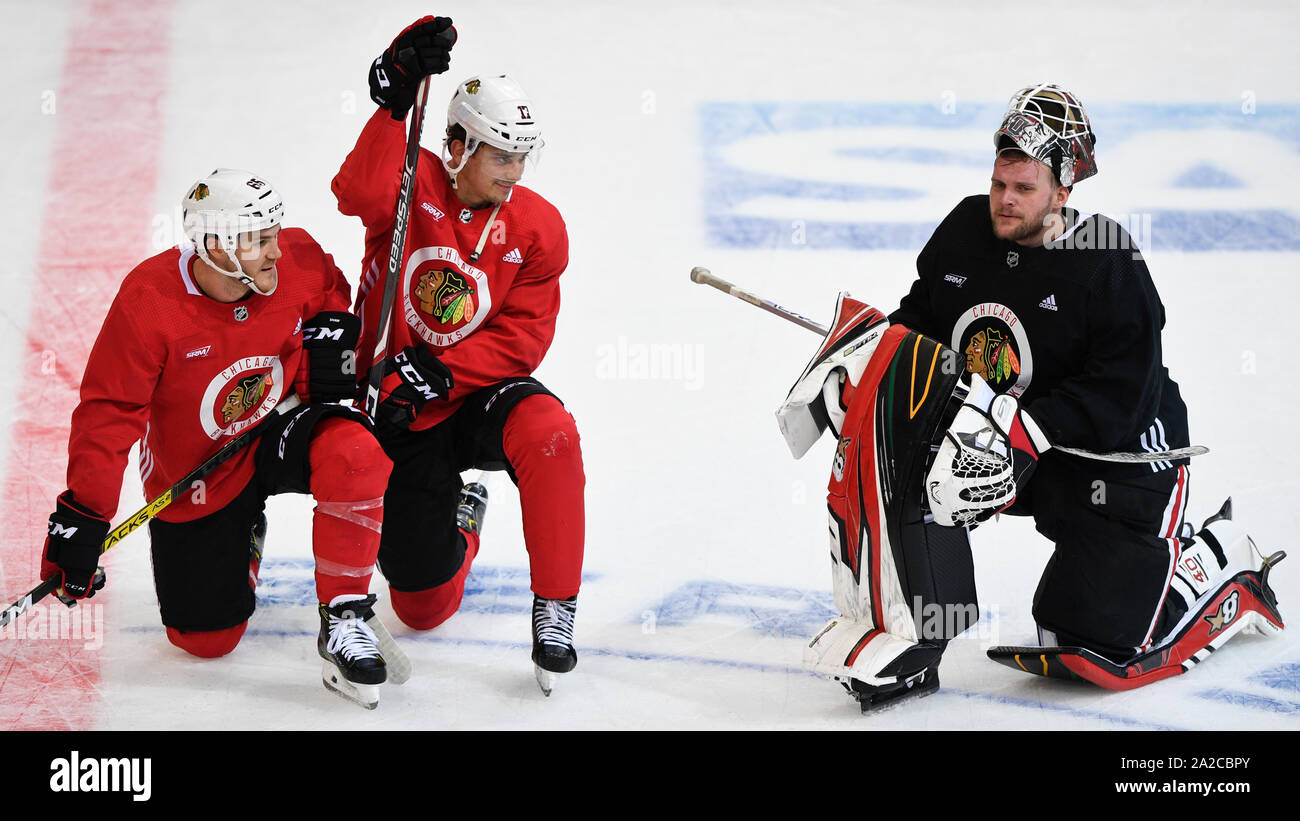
(704, 277)
(150, 510)
(383, 335)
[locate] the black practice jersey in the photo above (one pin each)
(1071, 328)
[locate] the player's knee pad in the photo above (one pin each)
(540, 427)
(426, 609)
(347, 462)
(208, 644)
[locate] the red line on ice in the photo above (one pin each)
(95, 226)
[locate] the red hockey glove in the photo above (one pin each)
(329, 365)
(412, 379)
(73, 547)
(423, 48)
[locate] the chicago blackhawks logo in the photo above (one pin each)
(445, 298)
(444, 295)
(241, 394)
(996, 347)
(201, 191)
(990, 355)
(244, 396)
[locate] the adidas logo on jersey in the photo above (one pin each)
(1049, 303)
(514, 256)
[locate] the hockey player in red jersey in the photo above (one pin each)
(200, 344)
(475, 313)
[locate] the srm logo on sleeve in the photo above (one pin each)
(77, 774)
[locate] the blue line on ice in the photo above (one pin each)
(736, 665)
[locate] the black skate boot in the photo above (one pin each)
(553, 639)
(472, 507)
(354, 667)
(256, 538)
(908, 683)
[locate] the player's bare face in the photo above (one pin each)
(257, 254)
(488, 176)
(1023, 199)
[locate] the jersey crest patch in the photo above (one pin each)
(241, 395)
(996, 348)
(445, 298)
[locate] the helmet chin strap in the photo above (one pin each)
(238, 273)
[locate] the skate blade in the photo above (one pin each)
(545, 679)
(395, 660)
(365, 695)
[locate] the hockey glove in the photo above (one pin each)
(986, 456)
(423, 48)
(73, 547)
(412, 379)
(329, 364)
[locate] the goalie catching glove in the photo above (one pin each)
(986, 455)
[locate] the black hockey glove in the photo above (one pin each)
(423, 48)
(73, 548)
(412, 379)
(329, 368)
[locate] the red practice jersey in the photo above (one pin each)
(185, 373)
(487, 320)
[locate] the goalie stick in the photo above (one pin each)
(383, 333)
(150, 510)
(703, 276)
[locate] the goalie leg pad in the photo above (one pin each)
(894, 569)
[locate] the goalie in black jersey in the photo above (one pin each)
(1057, 323)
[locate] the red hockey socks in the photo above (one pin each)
(541, 441)
(349, 474)
(426, 609)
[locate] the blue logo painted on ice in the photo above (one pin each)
(1185, 177)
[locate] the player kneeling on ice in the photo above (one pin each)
(200, 346)
(456, 336)
(1067, 414)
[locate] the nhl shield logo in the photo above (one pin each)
(1013, 259)
(241, 313)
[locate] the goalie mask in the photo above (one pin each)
(226, 204)
(1049, 124)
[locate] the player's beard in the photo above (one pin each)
(1030, 228)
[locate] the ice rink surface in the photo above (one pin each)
(794, 149)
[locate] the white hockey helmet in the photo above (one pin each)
(226, 203)
(494, 110)
(1049, 124)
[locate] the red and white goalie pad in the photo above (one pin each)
(822, 392)
(903, 586)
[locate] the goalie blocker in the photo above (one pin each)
(904, 585)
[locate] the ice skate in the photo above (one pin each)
(472, 507)
(353, 665)
(553, 651)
